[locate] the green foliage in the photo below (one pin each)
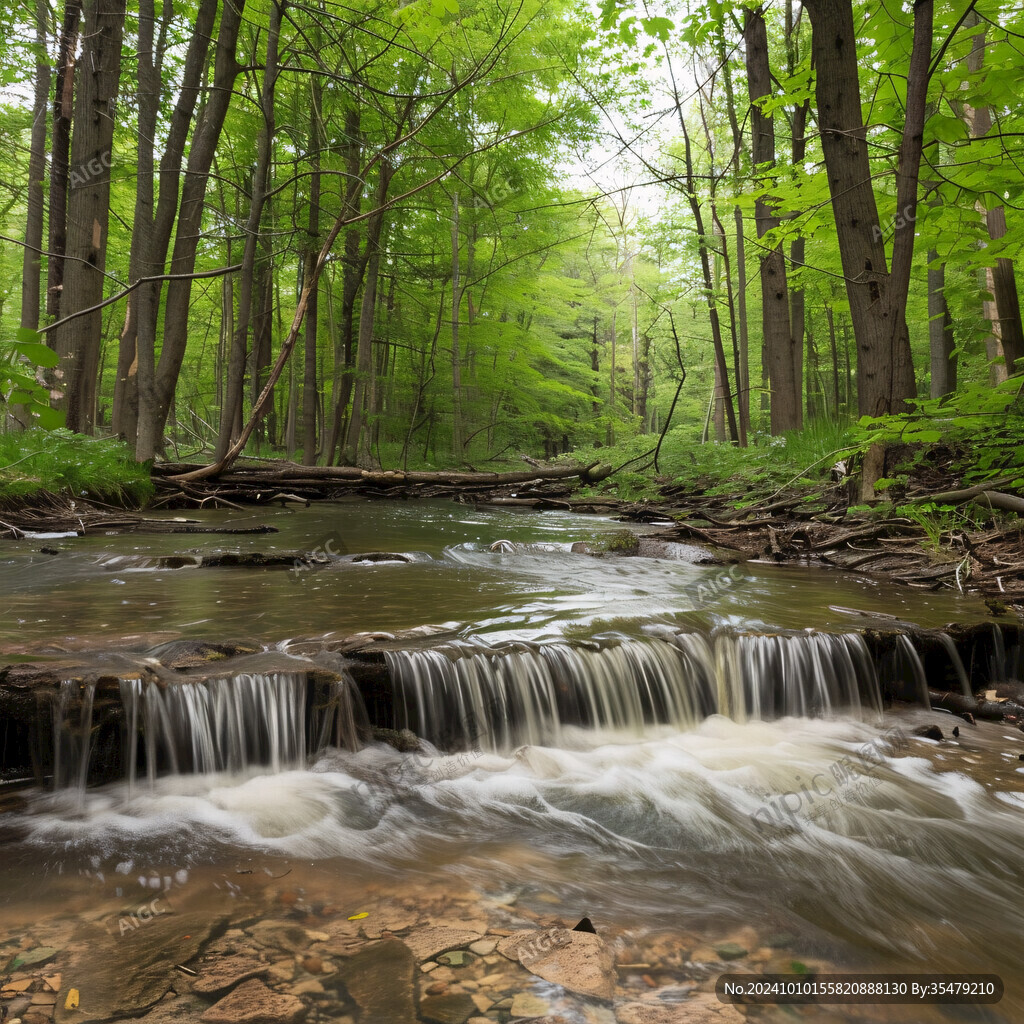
(60, 461)
(22, 363)
(803, 458)
(982, 426)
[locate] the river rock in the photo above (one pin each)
(457, 958)
(180, 654)
(483, 947)
(702, 1009)
(280, 935)
(526, 1004)
(428, 943)
(380, 981)
(223, 972)
(253, 1003)
(729, 950)
(578, 961)
(124, 977)
(455, 1008)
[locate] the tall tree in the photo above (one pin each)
(885, 371)
(78, 343)
(780, 345)
(30, 274)
(60, 154)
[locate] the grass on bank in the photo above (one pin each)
(799, 458)
(65, 463)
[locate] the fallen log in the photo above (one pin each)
(288, 473)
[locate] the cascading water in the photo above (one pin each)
(230, 724)
(465, 696)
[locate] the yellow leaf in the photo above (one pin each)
(358, 917)
(71, 1003)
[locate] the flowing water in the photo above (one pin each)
(688, 754)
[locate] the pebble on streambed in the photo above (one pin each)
(434, 959)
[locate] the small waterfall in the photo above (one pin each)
(216, 725)
(958, 666)
(72, 733)
(342, 720)
(463, 697)
(763, 677)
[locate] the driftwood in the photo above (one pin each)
(291, 474)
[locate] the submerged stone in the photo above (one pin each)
(380, 981)
(253, 1003)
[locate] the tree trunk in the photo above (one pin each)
(354, 267)
(78, 343)
(158, 381)
(357, 449)
(249, 293)
(124, 420)
(1004, 310)
(940, 331)
(456, 355)
(780, 345)
(885, 372)
(30, 273)
(798, 247)
(309, 380)
(60, 149)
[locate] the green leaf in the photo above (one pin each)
(36, 353)
(660, 28)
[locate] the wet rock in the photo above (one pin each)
(379, 979)
(282, 970)
(457, 958)
(313, 965)
(32, 957)
(526, 1004)
(119, 977)
(447, 1009)
(16, 1007)
(378, 556)
(578, 961)
(427, 943)
(181, 654)
(928, 732)
(704, 1008)
(483, 947)
(729, 950)
(405, 741)
(223, 972)
(309, 987)
(281, 935)
(253, 1003)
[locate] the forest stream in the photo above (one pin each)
(705, 760)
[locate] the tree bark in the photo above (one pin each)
(124, 420)
(354, 267)
(158, 381)
(885, 372)
(1004, 310)
(249, 292)
(78, 343)
(357, 449)
(309, 381)
(940, 331)
(60, 155)
(780, 345)
(456, 354)
(31, 265)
